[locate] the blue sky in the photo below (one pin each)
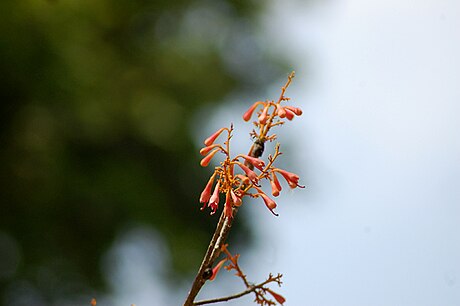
(379, 84)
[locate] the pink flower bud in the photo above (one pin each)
(289, 114)
(258, 163)
(205, 161)
(248, 114)
(216, 269)
(280, 111)
(295, 110)
(206, 150)
(275, 190)
(210, 140)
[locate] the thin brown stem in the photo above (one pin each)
(234, 296)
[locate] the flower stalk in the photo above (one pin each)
(238, 182)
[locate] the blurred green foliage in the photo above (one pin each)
(97, 102)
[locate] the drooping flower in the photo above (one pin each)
(277, 183)
(279, 298)
(280, 111)
(251, 174)
(256, 162)
(275, 190)
(214, 200)
(236, 199)
(228, 205)
(210, 140)
(291, 178)
(271, 205)
(289, 114)
(206, 194)
(295, 110)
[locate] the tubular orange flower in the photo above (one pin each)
(263, 116)
(295, 110)
(248, 114)
(214, 201)
(228, 205)
(210, 140)
(271, 205)
(216, 269)
(291, 178)
(279, 298)
(236, 199)
(206, 194)
(206, 150)
(251, 174)
(277, 183)
(289, 114)
(275, 190)
(205, 161)
(258, 163)
(280, 111)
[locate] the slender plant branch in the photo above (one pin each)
(234, 296)
(214, 249)
(226, 184)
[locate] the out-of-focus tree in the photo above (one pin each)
(96, 103)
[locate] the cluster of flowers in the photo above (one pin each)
(246, 182)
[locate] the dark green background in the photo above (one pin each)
(97, 99)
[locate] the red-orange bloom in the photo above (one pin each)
(280, 111)
(291, 178)
(207, 149)
(289, 114)
(271, 205)
(279, 298)
(277, 183)
(258, 163)
(295, 110)
(275, 190)
(264, 115)
(205, 161)
(206, 194)
(236, 199)
(228, 205)
(214, 201)
(210, 140)
(216, 269)
(248, 114)
(251, 174)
